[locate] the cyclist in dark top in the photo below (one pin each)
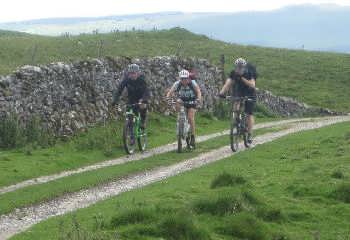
(242, 83)
(188, 94)
(138, 92)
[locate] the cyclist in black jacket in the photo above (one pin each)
(242, 83)
(138, 92)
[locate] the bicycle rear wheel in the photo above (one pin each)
(129, 137)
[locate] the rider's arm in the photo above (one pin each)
(226, 86)
(250, 83)
(117, 93)
(252, 77)
(172, 90)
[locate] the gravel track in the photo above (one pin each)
(22, 219)
(125, 159)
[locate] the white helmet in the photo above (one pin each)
(133, 68)
(184, 74)
(240, 62)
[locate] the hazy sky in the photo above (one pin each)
(15, 10)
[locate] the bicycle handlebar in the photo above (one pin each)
(245, 98)
(183, 102)
(132, 105)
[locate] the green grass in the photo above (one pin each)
(317, 78)
(98, 144)
(289, 193)
(43, 192)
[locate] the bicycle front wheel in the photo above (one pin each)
(245, 139)
(129, 137)
(234, 135)
(180, 132)
(142, 139)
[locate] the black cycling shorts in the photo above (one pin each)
(189, 105)
(249, 107)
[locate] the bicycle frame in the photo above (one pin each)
(184, 129)
(238, 122)
(132, 131)
(241, 118)
(136, 119)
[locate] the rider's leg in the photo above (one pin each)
(143, 113)
(250, 118)
(249, 107)
(236, 108)
(131, 125)
(191, 119)
(179, 103)
(191, 115)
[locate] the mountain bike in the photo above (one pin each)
(132, 131)
(183, 128)
(238, 124)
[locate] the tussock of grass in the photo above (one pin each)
(299, 216)
(347, 136)
(132, 216)
(181, 226)
(245, 226)
(342, 193)
(74, 231)
(140, 232)
(270, 214)
(302, 191)
(222, 205)
(337, 174)
(153, 222)
(226, 179)
(251, 198)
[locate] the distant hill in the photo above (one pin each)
(317, 78)
(4, 33)
(311, 27)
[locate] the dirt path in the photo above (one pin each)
(24, 218)
(125, 159)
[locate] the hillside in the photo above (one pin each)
(4, 33)
(317, 27)
(319, 79)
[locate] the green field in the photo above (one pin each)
(320, 79)
(297, 187)
(46, 191)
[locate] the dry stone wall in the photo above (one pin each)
(72, 96)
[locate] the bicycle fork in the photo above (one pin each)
(131, 123)
(182, 123)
